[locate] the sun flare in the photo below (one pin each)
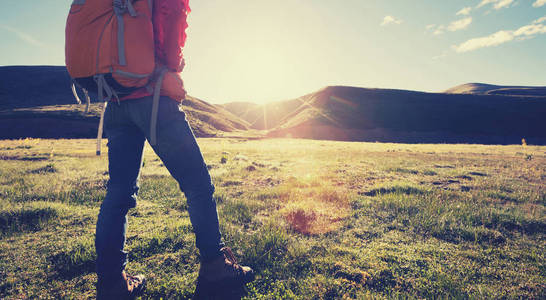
(263, 72)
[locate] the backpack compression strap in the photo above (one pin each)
(88, 100)
(109, 91)
(120, 8)
(103, 87)
(155, 106)
(101, 126)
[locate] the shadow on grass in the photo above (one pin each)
(23, 219)
(481, 236)
(404, 171)
(503, 197)
(50, 168)
(407, 190)
(23, 158)
(75, 261)
(447, 217)
(85, 192)
(167, 241)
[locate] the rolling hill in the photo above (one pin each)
(489, 89)
(386, 115)
(36, 101)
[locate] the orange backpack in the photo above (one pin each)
(110, 47)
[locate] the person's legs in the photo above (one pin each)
(125, 146)
(179, 151)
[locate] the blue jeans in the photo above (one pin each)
(127, 126)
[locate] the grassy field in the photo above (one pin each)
(315, 219)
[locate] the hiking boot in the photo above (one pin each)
(127, 287)
(224, 271)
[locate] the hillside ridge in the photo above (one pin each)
(469, 113)
(491, 89)
(393, 115)
(37, 101)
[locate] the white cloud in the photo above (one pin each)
(439, 30)
(453, 26)
(502, 3)
(23, 36)
(531, 30)
(390, 20)
(466, 11)
(459, 24)
(497, 4)
(495, 39)
(541, 20)
(539, 3)
(503, 36)
(485, 2)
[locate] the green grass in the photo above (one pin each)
(315, 219)
(35, 216)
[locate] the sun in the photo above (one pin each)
(263, 72)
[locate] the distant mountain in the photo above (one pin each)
(386, 115)
(37, 101)
(30, 86)
(210, 118)
(489, 89)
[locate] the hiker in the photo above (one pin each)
(136, 112)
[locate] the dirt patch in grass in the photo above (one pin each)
(316, 212)
(302, 220)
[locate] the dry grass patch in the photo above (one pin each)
(315, 211)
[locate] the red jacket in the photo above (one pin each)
(170, 23)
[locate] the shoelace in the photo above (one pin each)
(133, 282)
(231, 258)
(229, 254)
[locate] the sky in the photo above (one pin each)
(263, 50)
